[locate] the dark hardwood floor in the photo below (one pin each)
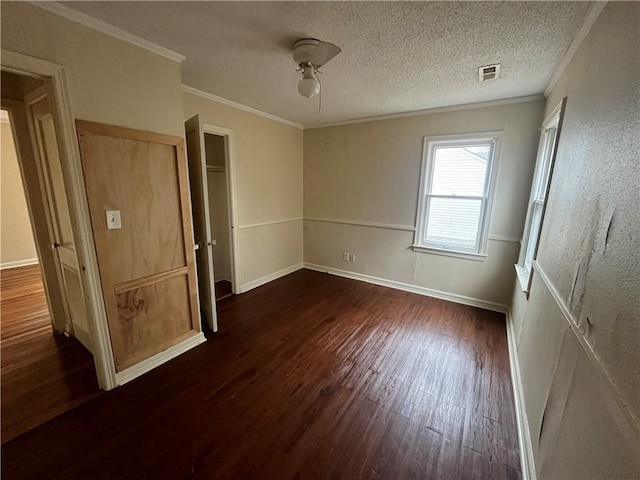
(310, 376)
(42, 375)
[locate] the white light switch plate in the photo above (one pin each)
(113, 220)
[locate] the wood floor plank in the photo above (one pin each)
(311, 376)
(450, 454)
(42, 375)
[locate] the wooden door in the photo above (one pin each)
(146, 265)
(201, 226)
(45, 145)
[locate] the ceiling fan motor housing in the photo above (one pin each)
(302, 50)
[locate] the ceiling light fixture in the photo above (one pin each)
(309, 86)
(310, 54)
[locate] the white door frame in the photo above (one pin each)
(230, 167)
(78, 208)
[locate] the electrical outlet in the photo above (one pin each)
(345, 256)
(352, 257)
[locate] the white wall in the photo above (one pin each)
(268, 179)
(17, 246)
(586, 385)
(369, 173)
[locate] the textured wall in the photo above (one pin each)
(370, 172)
(268, 179)
(16, 241)
(586, 385)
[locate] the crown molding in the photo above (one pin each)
(467, 106)
(239, 106)
(591, 18)
(99, 25)
(430, 111)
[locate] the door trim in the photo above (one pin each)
(78, 207)
(230, 166)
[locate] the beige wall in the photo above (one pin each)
(113, 82)
(268, 180)
(590, 252)
(16, 239)
(110, 81)
(369, 172)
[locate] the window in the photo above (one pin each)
(538, 197)
(455, 194)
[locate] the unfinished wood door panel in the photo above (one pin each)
(150, 316)
(45, 145)
(127, 175)
(147, 266)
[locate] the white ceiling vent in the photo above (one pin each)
(489, 72)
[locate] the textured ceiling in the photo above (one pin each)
(396, 56)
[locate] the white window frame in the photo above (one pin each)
(547, 149)
(478, 252)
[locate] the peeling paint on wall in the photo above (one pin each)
(606, 237)
(558, 393)
(588, 275)
(580, 278)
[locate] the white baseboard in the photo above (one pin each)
(159, 358)
(527, 461)
(429, 292)
(269, 278)
(223, 278)
(19, 263)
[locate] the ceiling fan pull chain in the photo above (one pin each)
(320, 93)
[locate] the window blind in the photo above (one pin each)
(457, 196)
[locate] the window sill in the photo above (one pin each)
(478, 257)
(523, 278)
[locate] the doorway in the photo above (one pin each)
(210, 157)
(47, 364)
(219, 218)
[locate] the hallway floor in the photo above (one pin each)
(42, 375)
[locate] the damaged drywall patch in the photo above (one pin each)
(580, 277)
(563, 379)
(605, 244)
(596, 239)
(556, 395)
